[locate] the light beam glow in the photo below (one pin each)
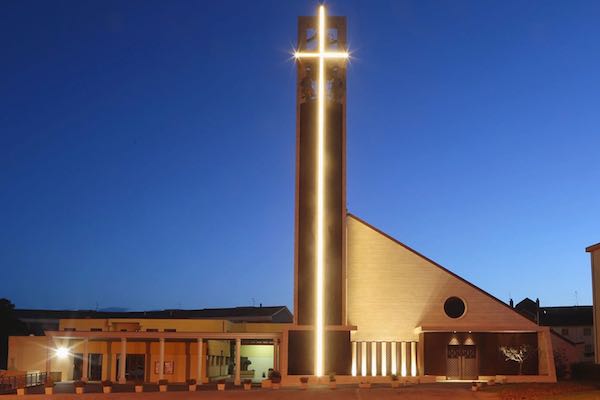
(322, 54)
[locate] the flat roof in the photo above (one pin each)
(235, 314)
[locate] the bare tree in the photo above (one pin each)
(517, 353)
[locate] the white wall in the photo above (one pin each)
(261, 357)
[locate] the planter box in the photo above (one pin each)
(20, 391)
(247, 386)
(275, 386)
(48, 390)
(162, 388)
(220, 386)
(139, 388)
(79, 390)
(303, 385)
(265, 384)
(106, 389)
(192, 388)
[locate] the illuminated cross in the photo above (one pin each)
(321, 54)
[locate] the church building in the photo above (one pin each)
(366, 306)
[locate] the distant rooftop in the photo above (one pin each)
(556, 316)
(279, 314)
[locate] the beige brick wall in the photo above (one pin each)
(391, 291)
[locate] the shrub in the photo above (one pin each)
(191, 381)
(394, 377)
(332, 377)
(247, 381)
(304, 379)
(79, 384)
(585, 371)
(221, 381)
(275, 376)
(107, 383)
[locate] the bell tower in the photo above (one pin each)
(320, 211)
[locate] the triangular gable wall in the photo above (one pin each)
(392, 290)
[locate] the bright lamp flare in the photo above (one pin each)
(322, 54)
(61, 352)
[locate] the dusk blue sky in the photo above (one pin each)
(147, 147)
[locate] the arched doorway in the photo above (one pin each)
(461, 359)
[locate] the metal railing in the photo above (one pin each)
(11, 383)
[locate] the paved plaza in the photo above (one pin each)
(420, 392)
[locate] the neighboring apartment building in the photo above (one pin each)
(574, 323)
(594, 251)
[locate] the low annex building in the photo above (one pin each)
(172, 344)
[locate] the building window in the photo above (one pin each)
(170, 330)
(151, 330)
(564, 331)
(69, 329)
(454, 307)
(96, 329)
(587, 331)
(588, 350)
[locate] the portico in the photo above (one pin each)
(177, 356)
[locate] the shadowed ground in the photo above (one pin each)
(417, 392)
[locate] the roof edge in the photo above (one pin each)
(593, 247)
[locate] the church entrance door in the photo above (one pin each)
(461, 362)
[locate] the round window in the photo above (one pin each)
(454, 307)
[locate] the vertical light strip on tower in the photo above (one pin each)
(321, 54)
(320, 197)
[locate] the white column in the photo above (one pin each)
(383, 359)
(123, 361)
(413, 358)
(403, 358)
(363, 358)
(85, 365)
(353, 358)
(238, 361)
(200, 362)
(49, 350)
(161, 359)
(373, 358)
(393, 355)
(277, 355)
